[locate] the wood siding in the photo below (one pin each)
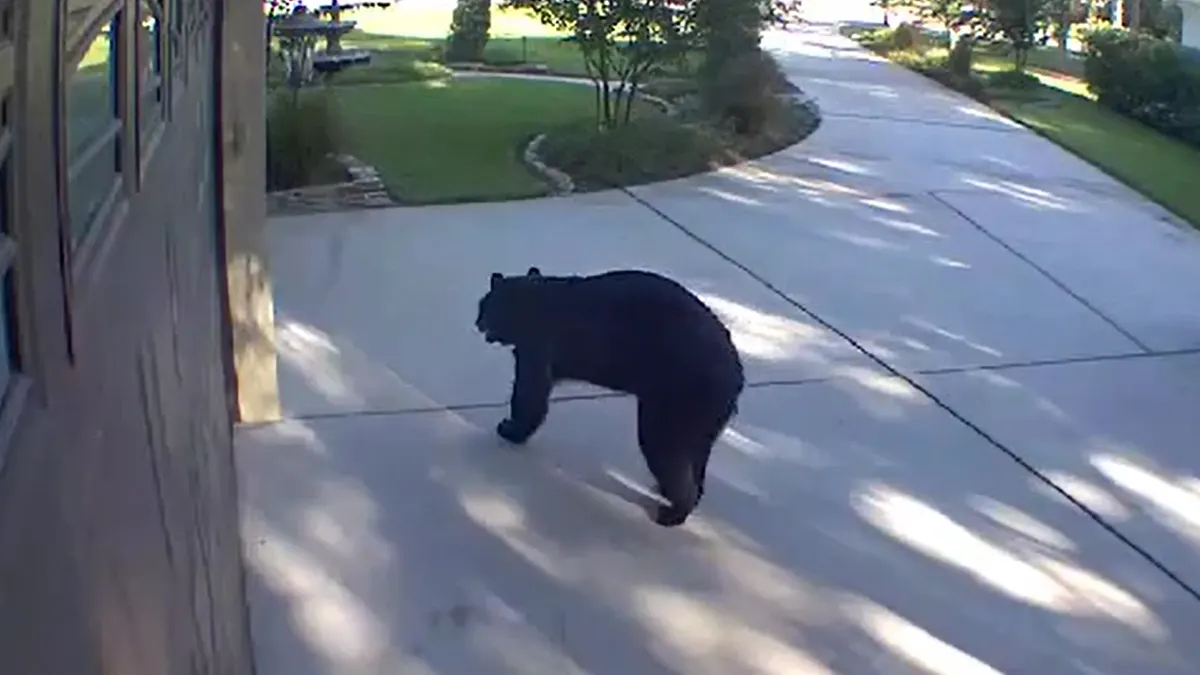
(119, 547)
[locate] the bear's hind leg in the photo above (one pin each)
(669, 457)
(707, 425)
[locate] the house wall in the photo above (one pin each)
(1191, 23)
(119, 547)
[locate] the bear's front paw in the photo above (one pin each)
(512, 432)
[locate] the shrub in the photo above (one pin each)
(469, 26)
(302, 136)
(1146, 78)
(1015, 80)
(502, 55)
(906, 36)
(961, 56)
(740, 94)
(937, 68)
(729, 30)
(969, 84)
(649, 148)
(654, 147)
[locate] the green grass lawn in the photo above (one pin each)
(559, 57)
(1050, 64)
(1054, 67)
(457, 140)
(437, 139)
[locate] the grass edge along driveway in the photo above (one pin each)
(1060, 109)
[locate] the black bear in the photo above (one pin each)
(630, 331)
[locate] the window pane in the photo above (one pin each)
(176, 31)
(93, 129)
(91, 92)
(7, 324)
(91, 185)
(149, 66)
(6, 357)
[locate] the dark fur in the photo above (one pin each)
(629, 331)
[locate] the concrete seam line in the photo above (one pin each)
(492, 405)
(1042, 271)
(991, 440)
(1071, 360)
(764, 384)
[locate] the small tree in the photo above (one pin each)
(469, 27)
(1018, 22)
(621, 41)
(728, 29)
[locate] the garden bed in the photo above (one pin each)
(352, 184)
(442, 132)
(657, 147)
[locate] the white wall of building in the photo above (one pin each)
(1191, 22)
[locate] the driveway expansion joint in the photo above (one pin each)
(1044, 272)
(925, 391)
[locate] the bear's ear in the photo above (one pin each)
(496, 279)
(534, 272)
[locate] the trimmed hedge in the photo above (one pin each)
(1152, 80)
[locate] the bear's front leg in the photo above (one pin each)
(530, 400)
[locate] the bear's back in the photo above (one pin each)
(633, 330)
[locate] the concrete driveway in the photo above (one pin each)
(968, 447)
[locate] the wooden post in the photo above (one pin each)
(243, 191)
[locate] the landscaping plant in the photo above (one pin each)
(737, 79)
(1152, 80)
(1020, 23)
(622, 42)
(302, 136)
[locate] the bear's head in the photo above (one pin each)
(506, 311)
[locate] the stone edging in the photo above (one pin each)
(560, 183)
(365, 189)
